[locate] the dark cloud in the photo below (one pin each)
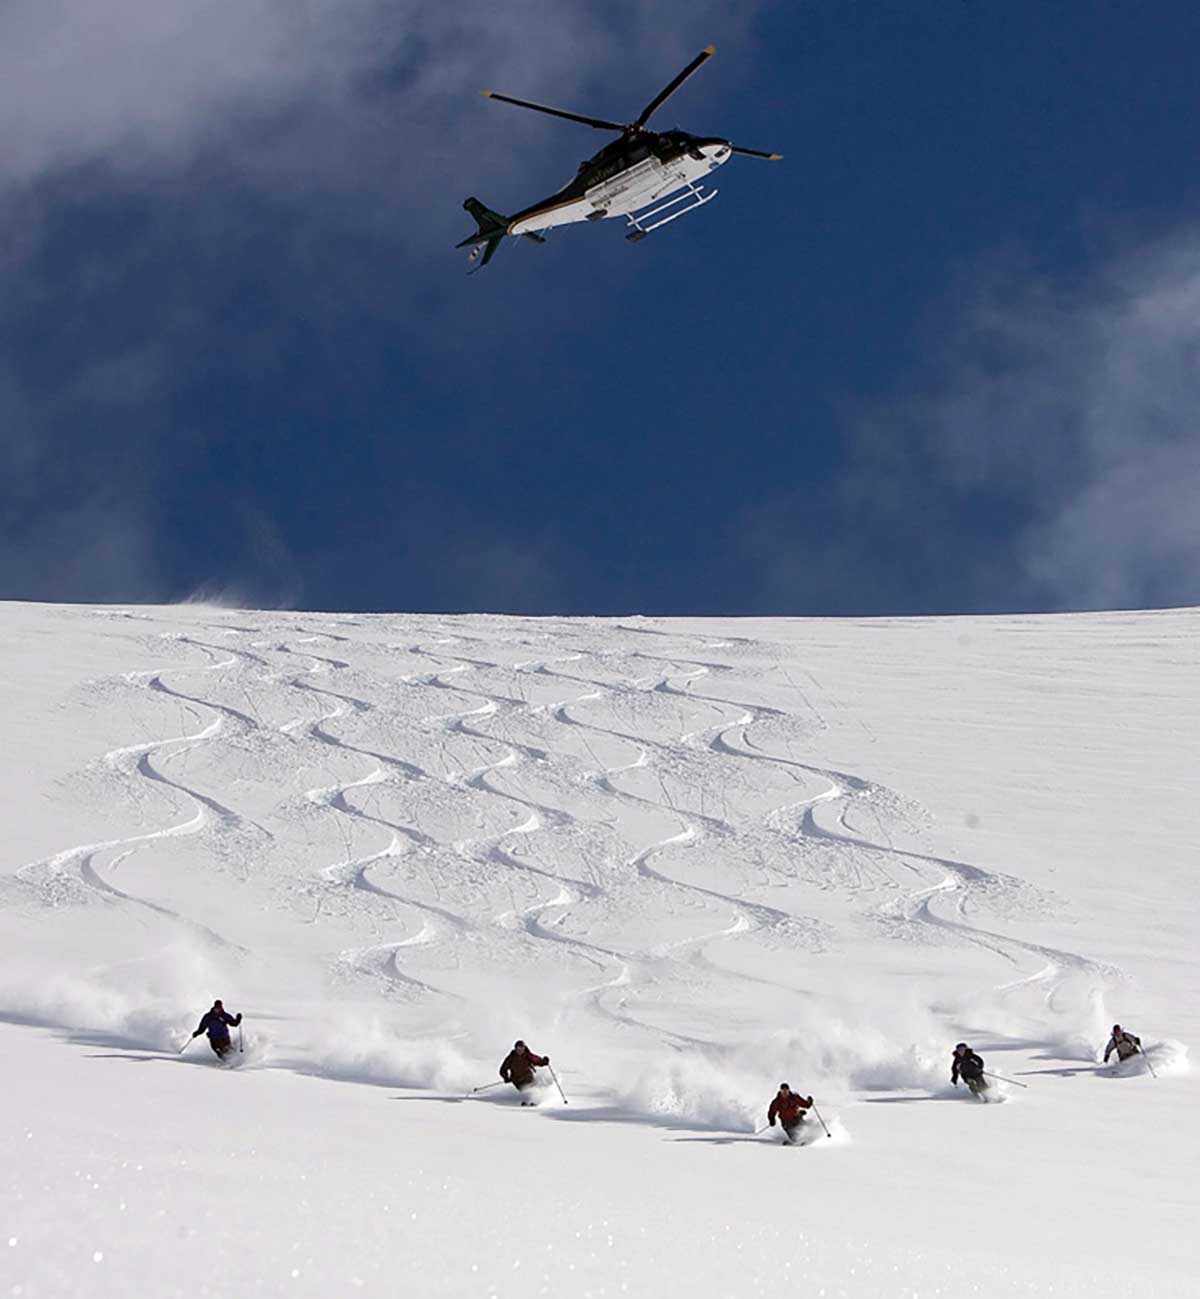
(205, 202)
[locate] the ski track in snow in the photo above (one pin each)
(511, 728)
(72, 874)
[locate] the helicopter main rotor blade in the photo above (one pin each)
(663, 95)
(555, 112)
(756, 153)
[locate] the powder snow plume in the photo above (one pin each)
(366, 1050)
(152, 1002)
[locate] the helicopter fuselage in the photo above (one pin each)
(636, 170)
(649, 177)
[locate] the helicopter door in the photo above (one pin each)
(628, 189)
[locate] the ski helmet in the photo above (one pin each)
(783, 1087)
(961, 1046)
(518, 1045)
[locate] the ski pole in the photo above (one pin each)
(557, 1083)
(487, 1087)
(817, 1112)
(241, 1044)
(185, 1046)
(1001, 1078)
(1148, 1064)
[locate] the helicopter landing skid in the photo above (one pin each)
(692, 197)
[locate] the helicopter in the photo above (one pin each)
(647, 177)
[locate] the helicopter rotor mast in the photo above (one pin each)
(638, 126)
(627, 128)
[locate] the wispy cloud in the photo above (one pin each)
(1047, 455)
(160, 151)
(317, 87)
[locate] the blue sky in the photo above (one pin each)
(943, 358)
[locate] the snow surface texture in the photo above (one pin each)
(687, 859)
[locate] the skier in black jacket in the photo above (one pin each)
(969, 1066)
(1126, 1045)
(217, 1023)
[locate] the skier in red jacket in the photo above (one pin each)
(518, 1067)
(791, 1109)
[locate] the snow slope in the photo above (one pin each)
(685, 858)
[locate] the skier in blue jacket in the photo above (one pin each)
(217, 1023)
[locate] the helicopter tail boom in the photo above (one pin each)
(489, 222)
(492, 227)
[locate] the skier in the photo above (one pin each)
(217, 1023)
(1124, 1044)
(790, 1108)
(970, 1066)
(518, 1066)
